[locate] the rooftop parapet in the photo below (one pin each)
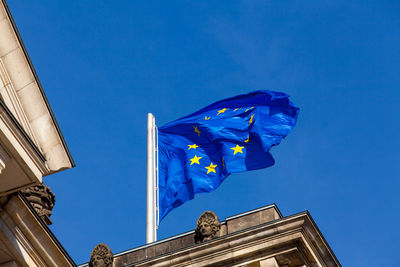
(257, 238)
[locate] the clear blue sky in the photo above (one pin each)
(105, 64)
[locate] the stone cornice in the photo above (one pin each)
(28, 239)
(281, 238)
(24, 95)
(24, 160)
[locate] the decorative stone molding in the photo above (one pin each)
(256, 238)
(29, 132)
(101, 256)
(23, 95)
(26, 241)
(10, 97)
(4, 157)
(207, 228)
(42, 200)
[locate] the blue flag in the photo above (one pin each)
(197, 152)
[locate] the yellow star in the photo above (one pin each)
(194, 146)
(221, 111)
(251, 119)
(206, 118)
(247, 140)
(195, 160)
(235, 109)
(237, 149)
(211, 168)
(196, 130)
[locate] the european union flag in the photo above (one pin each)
(197, 152)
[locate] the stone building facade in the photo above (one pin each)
(257, 238)
(31, 147)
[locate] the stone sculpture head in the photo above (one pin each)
(101, 256)
(208, 226)
(42, 200)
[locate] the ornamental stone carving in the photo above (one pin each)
(101, 256)
(42, 200)
(207, 228)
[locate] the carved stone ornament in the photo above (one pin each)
(101, 256)
(42, 200)
(207, 228)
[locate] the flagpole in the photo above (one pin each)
(151, 232)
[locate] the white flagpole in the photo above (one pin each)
(151, 231)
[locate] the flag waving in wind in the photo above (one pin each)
(197, 152)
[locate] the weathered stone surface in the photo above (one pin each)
(256, 238)
(42, 200)
(101, 256)
(207, 228)
(249, 219)
(39, 247)
(30, 133)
